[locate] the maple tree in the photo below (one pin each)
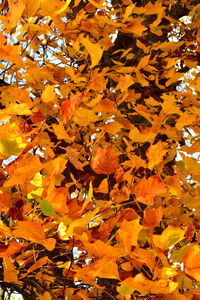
(99, 145)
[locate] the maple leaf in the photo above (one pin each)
(155, 154)
(68, 107)
(147, 189)
(99, 145)
(152, 217)
(105, 161)
(128, 233)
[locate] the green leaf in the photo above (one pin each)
(47, 209)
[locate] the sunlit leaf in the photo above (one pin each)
(94, 49)
(9, 270)
(141, 283)
(191, 261)
(105, 161)
(169, 237)
(147, 189)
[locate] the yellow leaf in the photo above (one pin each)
(168, 272)
(94, 49)
(169, 237)
(98, 4)
(50, 8)
(169, 105)
(63, 8)
(15, 109)
(155, 154)
(84, 117)
(139, 137)
(61, 133)
(48, 95)
(11, 147)
(66, 232)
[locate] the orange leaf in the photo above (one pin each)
(34, 232)
(5, 201)
(66, 110)
(140, 282)
(93, 49)
(152, 217)
(104, 268)
(191, 260)
(155, 154)
(147, 189)
(73, 156)
(11, 53)
(101, 249)
(12, 248)
(128, 233)
(103, 187)
(38, 264)
(48, 95)
(69, 106)
(9, 270)
(16, 9)
(134, 27)
(31, 8)
(105, 161)
(144, 256)
(58, 199)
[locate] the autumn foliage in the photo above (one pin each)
(99, 149)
